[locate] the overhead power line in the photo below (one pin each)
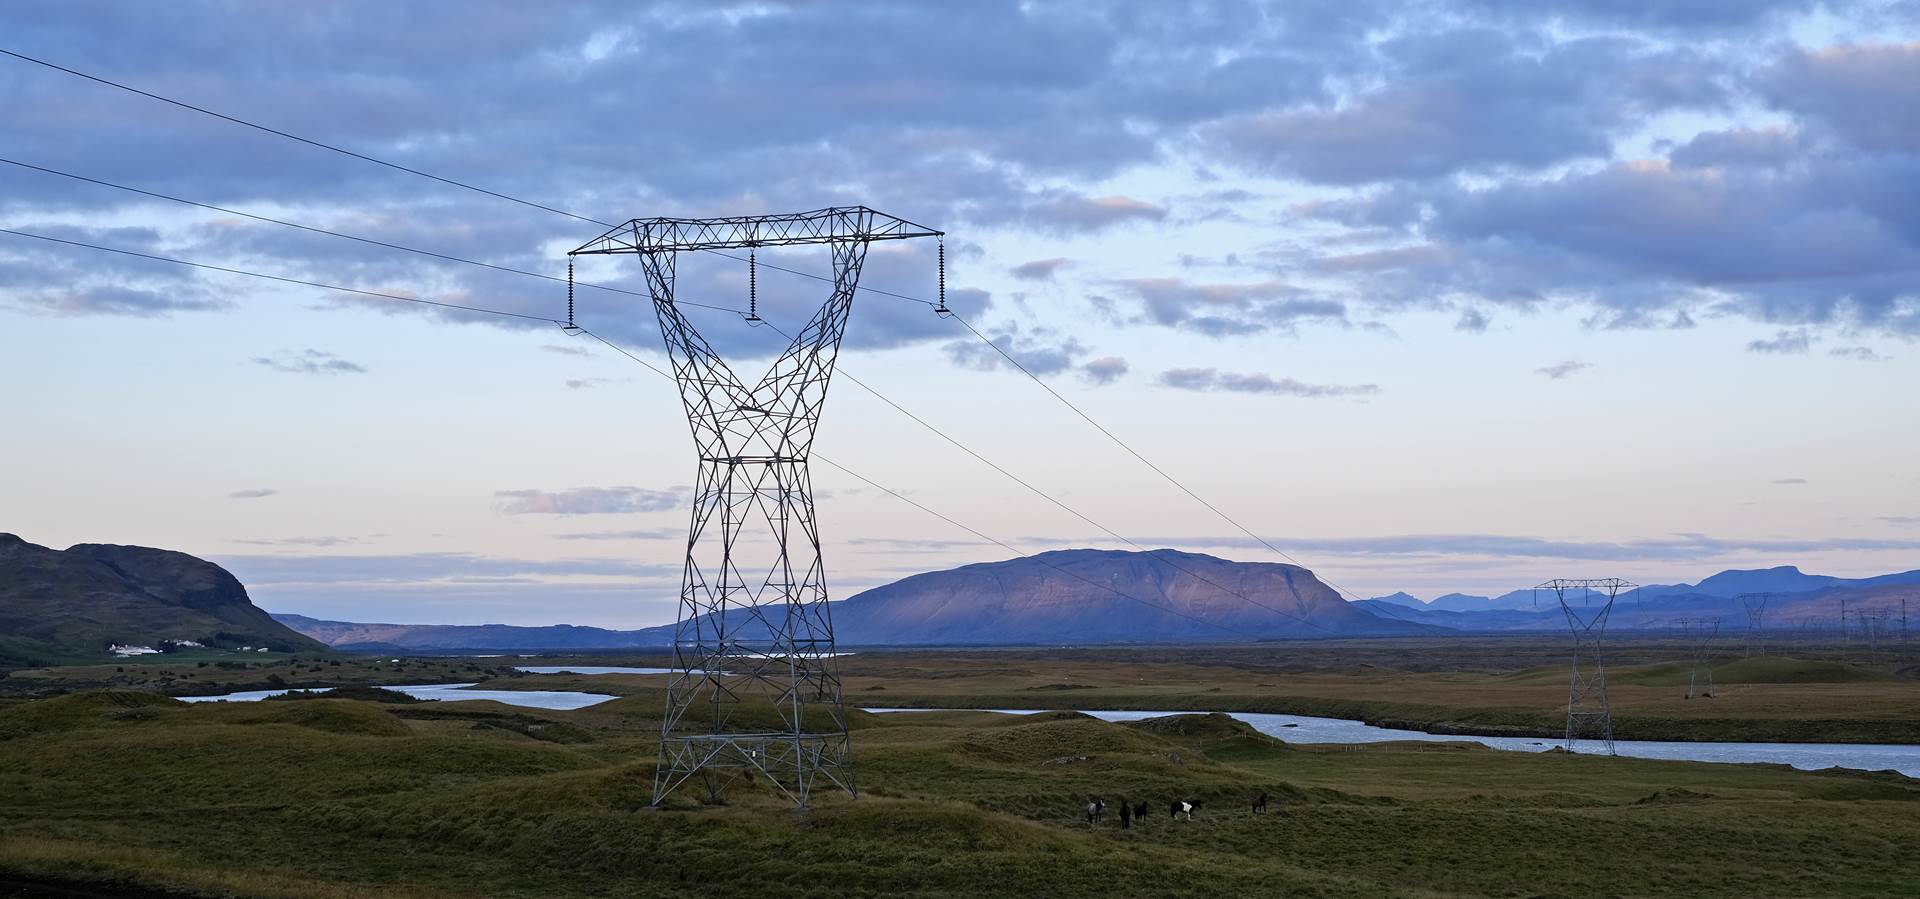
(976, 533)
(622, 351)
(285, 280)
(862, 384)
(345, 236)
(462, 184)
(295, 137)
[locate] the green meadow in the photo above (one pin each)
(121, 792)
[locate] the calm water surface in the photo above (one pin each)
(533, 699)
(1808, 756)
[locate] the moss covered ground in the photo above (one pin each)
(119, 791)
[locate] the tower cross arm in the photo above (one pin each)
(820, 226)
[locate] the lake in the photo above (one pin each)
(1807, 756)
(1291, 728)
(534, 699)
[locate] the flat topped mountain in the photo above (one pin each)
(1104, 596)
(79, 601)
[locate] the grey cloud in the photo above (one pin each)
(1079, 213)
(423, 568)
(1643, 244)
(1562, 370)
(1104, 370)
(1678, 547)
(588, 501)
(1039, 269)
(642, 534)
(1472, 321)
(1783, 343)
(256, 493)
(1222, 310)
(1762, 147)
(584, 383)
(1472, 99)
(310, 362)
(566, 350)
(1857, 353)
(301, 541)
(1208, 379)
(1039, 350)
(1867, 93)
(1790, 481)
(1904, 521)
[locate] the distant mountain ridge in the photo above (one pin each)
(354, 636)
(78, 601)
(1054, 597)
(1061, 597)
(1796, 597)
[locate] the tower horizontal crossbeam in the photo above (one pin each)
(834, 224)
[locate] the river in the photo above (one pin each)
(1291, 728)
(1806, 756)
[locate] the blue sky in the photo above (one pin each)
(1434, 297)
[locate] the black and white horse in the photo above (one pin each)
(1096, 811)
(1183, 808)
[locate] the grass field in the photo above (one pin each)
(1515, 687)
(339, 798)
(1497, 686)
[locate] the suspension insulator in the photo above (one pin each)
(942, 308)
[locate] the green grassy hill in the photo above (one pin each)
(64, 606)
(328, 798)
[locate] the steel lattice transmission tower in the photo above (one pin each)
(1587, 603)
(1756, 606)
(1699, 634)
(755, 686)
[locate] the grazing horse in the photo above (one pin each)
(1183, 808)
(1260, 802)
(1140, 812)
(1096, 811)
(1126, 814)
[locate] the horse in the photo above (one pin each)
(1140, 812)
(1260, 802)
(1126, 814)
(1096, 811)
(1183, 808)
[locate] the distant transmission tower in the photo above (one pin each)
(1873, 627)
(1700, 634)
(755, 685)
(1756, 606)
(1587, 603)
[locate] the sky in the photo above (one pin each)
(1433, 297)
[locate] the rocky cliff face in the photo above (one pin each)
(78, 601)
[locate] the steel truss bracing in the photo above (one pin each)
(1756, 606)
(755, 686)
(1699, 634)
(1587, 603)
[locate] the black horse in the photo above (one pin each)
(1140, 812)
(1126, 814)
(1260, 802)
